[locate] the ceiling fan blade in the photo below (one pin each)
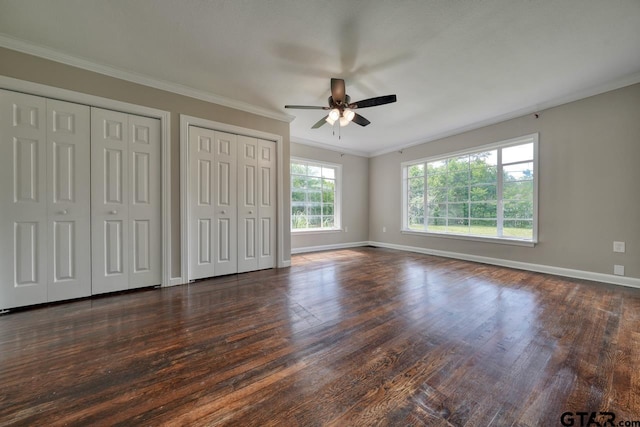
(372, 102)
(360, 120)
(337, 91)
(320, 122)
(306, 107)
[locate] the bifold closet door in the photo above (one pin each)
(212, 203)
(125, 201)
(256, 204)
(44, 200)
(68, 200)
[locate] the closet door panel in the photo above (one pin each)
(23, 204)
(109, 201)
(266, 204)
(247, 204)
(68, 200)
(145, 228)
(225, 204)
(201, 197)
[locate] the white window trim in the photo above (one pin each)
(337, 208)
(534, 137)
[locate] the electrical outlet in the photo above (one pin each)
(384, 229)
(618, 247)
(618, 270)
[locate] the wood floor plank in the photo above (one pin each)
(351, 337)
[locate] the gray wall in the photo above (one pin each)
(589, 185)
(43, 71)
(355, 198)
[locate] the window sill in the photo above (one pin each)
(499, 240)
(317, 231)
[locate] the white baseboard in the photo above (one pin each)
(558, 271)
(328, 247)
(285, 263)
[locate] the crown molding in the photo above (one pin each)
(63, 58)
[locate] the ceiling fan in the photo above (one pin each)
(341, 108)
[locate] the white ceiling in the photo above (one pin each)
(454, 65)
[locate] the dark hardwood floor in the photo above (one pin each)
(347, 338)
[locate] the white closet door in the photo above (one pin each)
(68, 201)
(247, 204)
(125, 201)
(145, 229)
(23, 202)
(225, 204)
(266, 204)
(201, 195)
(109, 201)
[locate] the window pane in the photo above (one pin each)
(327, 196)
(314, 221)
(517, 153)
(328, 222)
(416, 213)
(437, 210)
(481, 174)
(314, 196)
(487, 158)
(416, 187)
(416, 170)
(519, 190)
(298, 182)
(483, 227)
(457, 210)
(327, 209)
(315, 170)
(518, 172)
(439, 166)
(297, 196)
(518, 210)
(314, 183)
(458, 226)
(481, 193)
(298, 209)
(314, 209)
(484, 210)
(328, 172)
(436, 180)
(459, 194)
(299, 221)
(298, 168)
(458, 171)
(437, 225)
(520, 229)
(437, 195)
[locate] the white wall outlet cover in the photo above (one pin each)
(384, 229)
(618, 247)
(618, 270)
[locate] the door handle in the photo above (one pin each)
(250, 212)
(63, 212)
(223, 212)
(113, 212)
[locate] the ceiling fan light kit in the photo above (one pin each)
(341, 108)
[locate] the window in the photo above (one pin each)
(490, 192)
(315, 195)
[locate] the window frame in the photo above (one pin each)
(526, 139)
(337, 197)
